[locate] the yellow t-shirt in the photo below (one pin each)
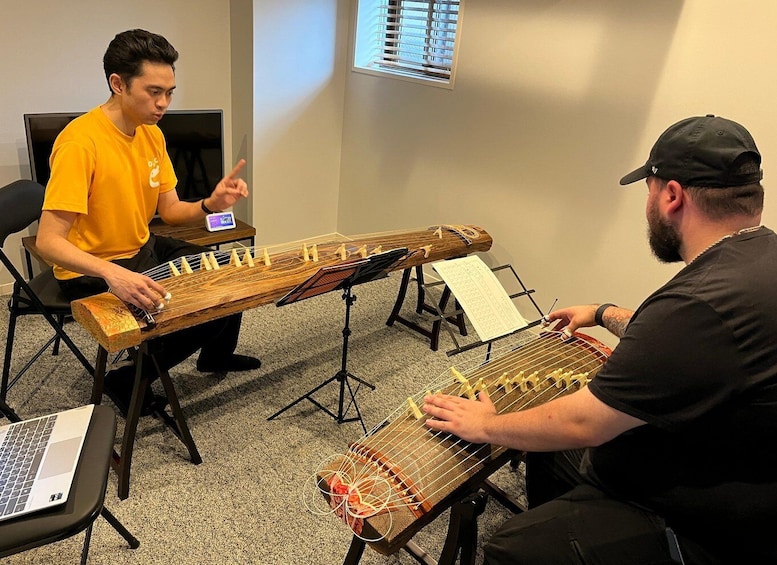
(112, 181)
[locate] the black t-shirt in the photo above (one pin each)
(698, 363)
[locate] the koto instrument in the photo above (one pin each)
(219, 283)
(402, 474)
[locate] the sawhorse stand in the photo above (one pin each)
(433, 333)
(122, 462)
(460, 542)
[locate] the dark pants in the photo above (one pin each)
(216, 339)
(571, 522)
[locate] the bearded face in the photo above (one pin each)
(663, 237)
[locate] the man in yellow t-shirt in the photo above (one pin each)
(109, 180)
(110, 172)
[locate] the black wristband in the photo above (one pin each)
(205, 208)
(600, 312)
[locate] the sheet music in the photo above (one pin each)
(481, 296)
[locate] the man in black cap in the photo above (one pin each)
(670, 452)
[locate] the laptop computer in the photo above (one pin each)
(38, 459)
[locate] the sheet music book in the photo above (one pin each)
(481, 296)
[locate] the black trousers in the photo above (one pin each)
(215, 339)
(572, 522)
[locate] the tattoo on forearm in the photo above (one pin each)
(616, 320)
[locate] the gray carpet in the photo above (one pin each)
(243, 503)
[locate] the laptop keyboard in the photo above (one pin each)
(20, 457)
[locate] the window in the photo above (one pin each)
(409, 38)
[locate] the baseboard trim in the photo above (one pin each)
(6, 289)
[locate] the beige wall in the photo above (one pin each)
(299, 52)
(242, 64)
(553, 102)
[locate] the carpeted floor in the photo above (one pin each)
(243, 504)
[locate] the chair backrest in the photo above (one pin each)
(20, 205)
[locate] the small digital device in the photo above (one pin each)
(220, 221)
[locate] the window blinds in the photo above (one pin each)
(416, 37)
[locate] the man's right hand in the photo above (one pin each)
(129, 286)
(136, 288)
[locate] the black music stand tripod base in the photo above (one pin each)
(342, 376)
(343, 276)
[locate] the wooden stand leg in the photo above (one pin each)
(462, 536)
(463, 529)
(99, 375)
(421, 306)
(421, 298)
(122, 462)
(178, 422)
(394, 316)
(355, 552)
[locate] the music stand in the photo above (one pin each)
(343, 276)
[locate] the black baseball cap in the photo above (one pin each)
(700, 151)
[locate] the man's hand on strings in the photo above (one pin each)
(572, 318)
(137, 289)
(465, 418)
(229, 190)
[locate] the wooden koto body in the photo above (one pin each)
(207, 287)
(402, 475)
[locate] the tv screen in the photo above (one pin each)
(195, 143)
(42, 130)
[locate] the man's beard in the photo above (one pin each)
(663, 238)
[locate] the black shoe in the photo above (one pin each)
(118, 387)
(233, 362)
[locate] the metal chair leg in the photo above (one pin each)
(674, 547)
(133, 542)
(87, 539)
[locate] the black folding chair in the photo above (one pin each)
(84, 505)
(21, 203)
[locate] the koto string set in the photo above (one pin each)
(388, 482)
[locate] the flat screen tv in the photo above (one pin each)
(195, 143)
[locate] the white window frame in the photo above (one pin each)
(371, 53)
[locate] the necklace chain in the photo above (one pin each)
(725, 237)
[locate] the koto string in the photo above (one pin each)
(357, 484)
(248, 277)
(289, 259)
(317, 506)
(385, 463)
(162, 271)
(240, 278)
(421, 428)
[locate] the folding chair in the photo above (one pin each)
(84, 505)
(22, 201)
